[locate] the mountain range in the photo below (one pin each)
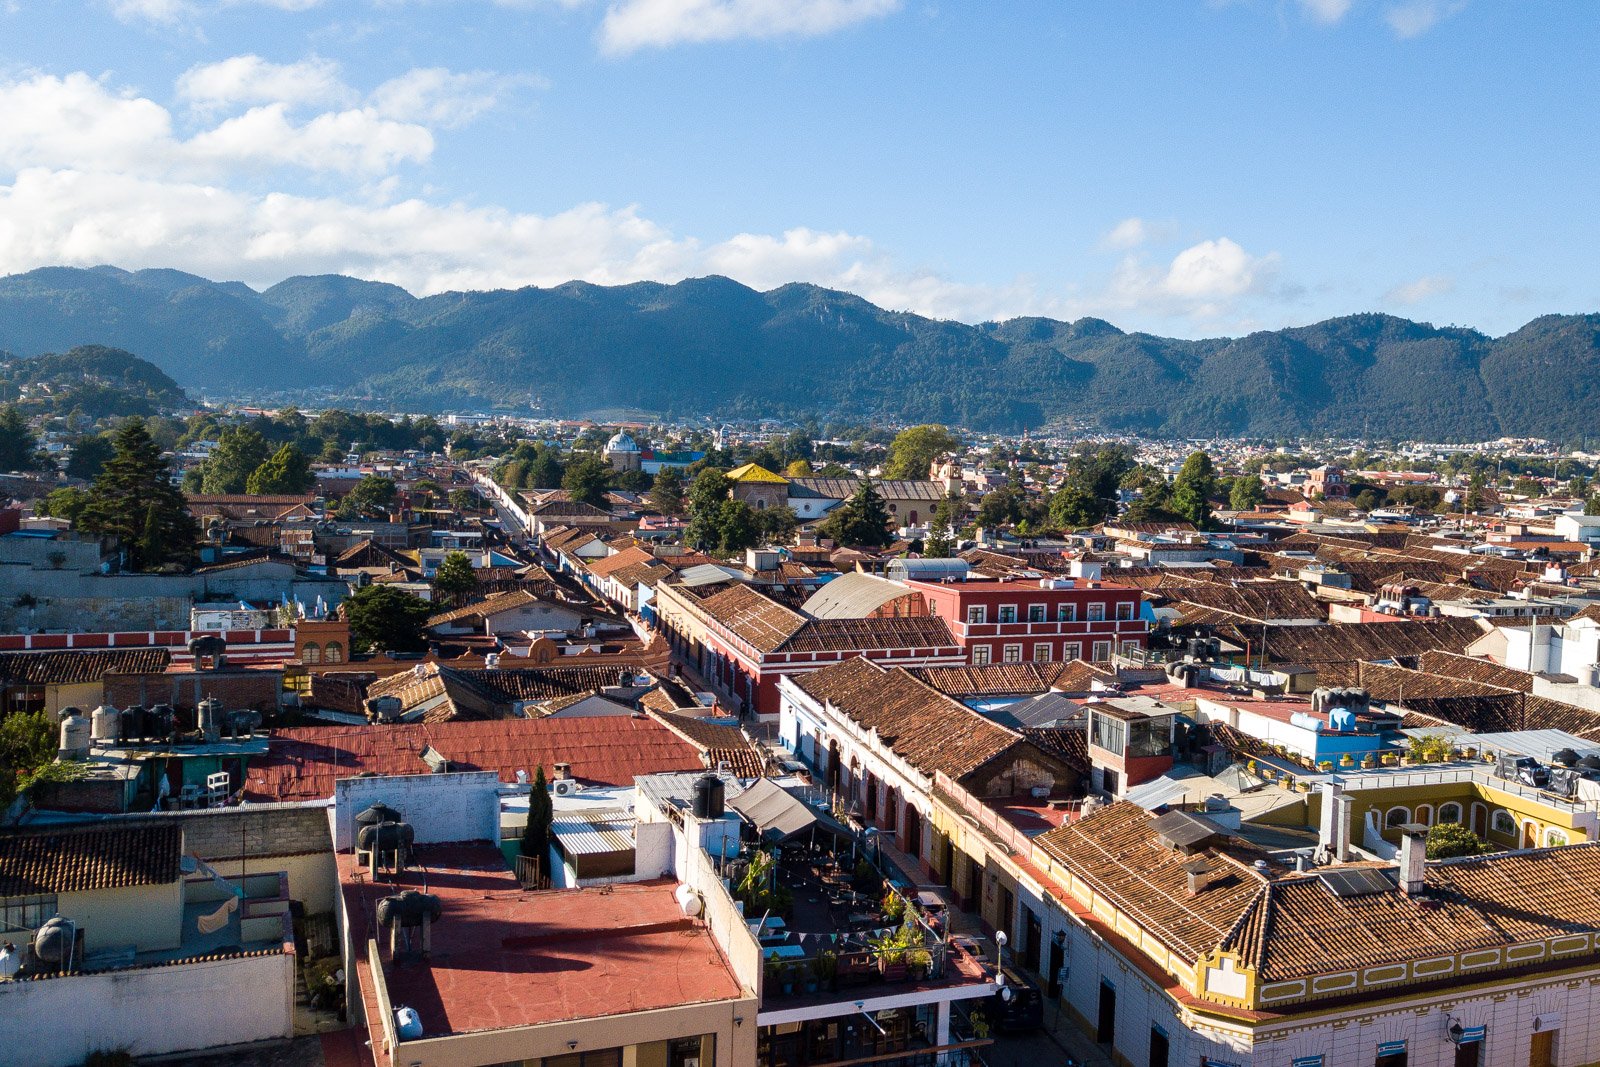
(713, 346)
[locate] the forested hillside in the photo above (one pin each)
(713, 346)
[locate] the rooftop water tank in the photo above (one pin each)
(1341, 719)
(209, 720)
(103, 724)
(708, 797)
(407, 1024)
(76, 739)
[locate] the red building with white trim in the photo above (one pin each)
(1051, 620)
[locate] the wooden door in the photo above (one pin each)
(1542, 1051)
(1480, 821)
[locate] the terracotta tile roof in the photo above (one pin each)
(1296, 927)
(489, 605)
(920, 724)
(759, 620)
(247, 560)
(568, 508)
(1254, 600)
(75, 668)
(1435, 661)
(641, 574)
(992, 680)
(720, 743)
(369, 553)
(1117, 852)
(70, 859)
(615, 562)
(546, 683)
(1477, 706)
(1070, 746)
(1342, 642)
(302, 764)
(1080, 675)
(828, 635)
(340, 692)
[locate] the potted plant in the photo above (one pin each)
(890, 949)
(809, 975)
(1325, 766)
(788, 979)
(1369, 761)
(918, 961)
(825, 966)
(774, 970)
(1347, 760)
(893, 906)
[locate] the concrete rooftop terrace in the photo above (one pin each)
(505, 957)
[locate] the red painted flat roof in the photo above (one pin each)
(303, 764)
(505, 957)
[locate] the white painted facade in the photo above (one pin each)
(456, 806)
(58, 1022)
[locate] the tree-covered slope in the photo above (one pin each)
(711, 345)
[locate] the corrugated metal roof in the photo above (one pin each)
(852, 596)
(706, 574)
(1540, 744)
(594, 833)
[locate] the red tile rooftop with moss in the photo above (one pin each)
(505, 957)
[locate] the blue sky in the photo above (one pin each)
(1186, 167)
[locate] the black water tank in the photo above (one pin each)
(708, 797)
(1566, 757)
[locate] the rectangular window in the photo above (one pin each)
(1041, 653)
(1008, 613)
(1013, 653)
(1071, 651)
(26, 913)
(976, 614)
(1108, 733)
(980, 655)
(1067, 613)
(1036, 613)
(1102, 651)
(1097, 612)
(1125, 610)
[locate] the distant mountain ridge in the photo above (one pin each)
(714, 346)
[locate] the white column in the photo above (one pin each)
(941, 1029)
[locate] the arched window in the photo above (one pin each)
(311, 654)
(1504, 823)
(1424, 815)
(1554, 838)
(334, 653)
(1396, 817)
(1449, 812)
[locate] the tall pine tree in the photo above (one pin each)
(863, 520)
(134, 500)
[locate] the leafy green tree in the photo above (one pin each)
(1446, 840)
(709, 491)
(1592, 505)
(89, 454)
(67, 503)
(940, 545)
(239, 452)
(331, 452)
(463, 499)
(831, 469)
(1474, 499)
(914, 450)
(455, 575)
(1578, 487)
(737, 526)
(286, 471)
(587, 480)
(545, 470)
(799, 468)
(1000, 507)
(383, 617)
(1366, 500)
(1247, 493)
(135, 501)
(1073, 508)
(18, 446)
(372, 493)
(861, 521)
(426, 488)
(1191, 490)
(666, 495)
(776, 526)
(27, 743)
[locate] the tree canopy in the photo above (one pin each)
(388, 619)
(286, 471)
(134, 500)
(1192, 489)
(588, 480)
(455, 576)
(238, 453)
(915, 448)
(18, 447)
(861, 521)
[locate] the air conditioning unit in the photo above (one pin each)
(564, 787)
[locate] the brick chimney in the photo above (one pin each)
(1413, 858)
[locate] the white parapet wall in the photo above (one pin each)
(57, 1022)
(441, 808)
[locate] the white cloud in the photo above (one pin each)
(354, 140)
(1213, 270)
(75, 120)
(1419, 16)
(1133, 232)
(164, 11)
(1420, 290)
(440, 97)
(250, 80)
(633, 24)
(1326, 11)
